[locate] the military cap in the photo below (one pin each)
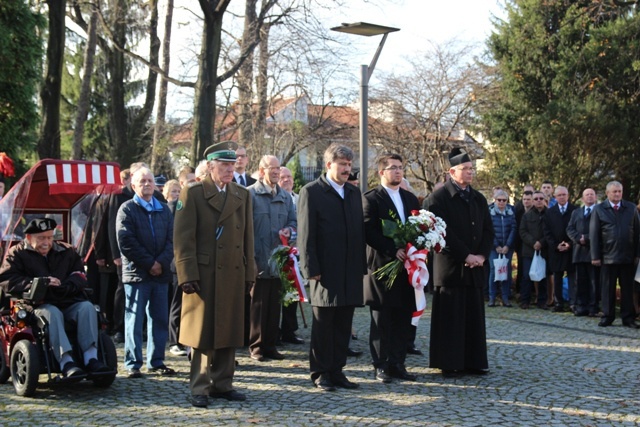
(40, 225)
(222, 151)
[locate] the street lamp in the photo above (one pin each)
(365, 29)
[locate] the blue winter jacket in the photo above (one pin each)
(143, 238)
(504, 225)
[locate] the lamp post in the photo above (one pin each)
(365, 29)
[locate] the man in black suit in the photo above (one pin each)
(555, 233)
(332, 256)
(587, 279)
(240, 175)
(391, 307)
(458, 335)
(614, 231)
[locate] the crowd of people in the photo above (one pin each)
(587, 251)
(189, 261)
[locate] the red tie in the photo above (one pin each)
(615, 208)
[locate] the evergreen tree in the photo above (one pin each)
(564, 102)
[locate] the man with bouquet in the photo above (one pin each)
(392, 303)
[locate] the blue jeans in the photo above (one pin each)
(152, 298)
(505, 286)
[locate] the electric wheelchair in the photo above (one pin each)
(25, 352)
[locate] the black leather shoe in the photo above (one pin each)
(339, 380)
(605, 322)
(134, 373)
(414, 350)
(382, 375)
(324, 383)
(632, 325)
(199, 400)
(557, 309)
(163, 370)
(353, 353)
(293, 339)
(476, 371)
(71, 370)
(275, 355)
(231, 396)
(400, 372)
(451, 373)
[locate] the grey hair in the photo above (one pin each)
(612, 184)
(143, 170)
(337, 151)
(500, 193)
(264, 161)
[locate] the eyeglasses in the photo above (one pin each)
(538, 198)
(394, 168)
(275, 168)
(501, 200)
(466, 169)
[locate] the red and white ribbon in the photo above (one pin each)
(297, 280)
(416, 266)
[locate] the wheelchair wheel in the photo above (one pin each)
(25, 368)
(5, 373)
(110, 358)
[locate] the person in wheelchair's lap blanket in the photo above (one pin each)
(39, 256)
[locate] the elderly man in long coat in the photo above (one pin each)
(214, 256)
(458, 336)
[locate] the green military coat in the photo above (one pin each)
(213, 318)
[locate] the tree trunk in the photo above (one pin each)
(138, 127)
(245, 78)
(205, 96)
(117, 70)
(85, 90)
(261, 86)
(49, 142)
(158, 151)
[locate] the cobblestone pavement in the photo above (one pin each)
(546, 369)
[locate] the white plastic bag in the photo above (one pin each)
(538, 270)
(501, 268)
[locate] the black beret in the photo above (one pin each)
(222, 151)
(353, 176)
(40, 225)
(458, 156)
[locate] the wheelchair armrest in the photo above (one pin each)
(37, 291)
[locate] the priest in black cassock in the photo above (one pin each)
(458, 335)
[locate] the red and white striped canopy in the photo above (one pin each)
(73, 177)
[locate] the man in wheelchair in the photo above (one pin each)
(39, 256)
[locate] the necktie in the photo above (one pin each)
(241, 180)
(616, 207)
(587, 211)
(562, 210)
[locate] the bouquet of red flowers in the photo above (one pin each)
(422, 232)
(285, 259)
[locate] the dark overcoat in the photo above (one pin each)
(213, 243)
(615, 235)
(579, 227)
(531, 231)
(381, 249)
(469, 231)
(332, 243)
(554, 226)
